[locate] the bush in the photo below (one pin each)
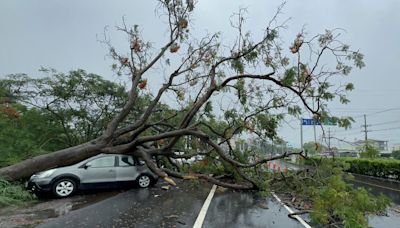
(383, 168)
(338, 201)
(396, 154)
(335, 202)
(370, 152)
(13, 193)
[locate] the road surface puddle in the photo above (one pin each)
(32, 214)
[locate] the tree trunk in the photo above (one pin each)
(59, 158)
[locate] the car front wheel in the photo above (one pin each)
(64, 188)
(144, 181)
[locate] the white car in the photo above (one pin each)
(101, 171)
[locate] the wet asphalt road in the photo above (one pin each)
(239, 209)
(33, 213)
(178, 207)
(152, 207)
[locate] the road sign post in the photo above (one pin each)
(301, 135)
(312, 122)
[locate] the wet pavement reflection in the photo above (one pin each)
(151, 207)
(32, 214)
(239, 209)
(179, 207)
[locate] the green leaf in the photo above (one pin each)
(349, 87)
(289, 77)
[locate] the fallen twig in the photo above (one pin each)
(291, 215)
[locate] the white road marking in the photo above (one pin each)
(291, 211)
(203, 211)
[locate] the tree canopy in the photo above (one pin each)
(194, 97)
(396, 154)
(314, 147)
(249, 86)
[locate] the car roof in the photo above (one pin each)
(105, 154)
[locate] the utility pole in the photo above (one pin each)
(365, 131)
(329, 140)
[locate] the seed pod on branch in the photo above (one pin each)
(183, 23)
(297, 44)
(174, 48)
(142, 85)
(135, 45)
(124, 61)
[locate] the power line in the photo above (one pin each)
(387, 122)
(342, 140)
(370, 114)
(387, 129)
(350, 133)
(386, 110)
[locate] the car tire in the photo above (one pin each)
(144, 181)
(64, 187)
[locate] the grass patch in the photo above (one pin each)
(13, 193)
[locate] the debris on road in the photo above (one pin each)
(221, 189)
(263, 205)
(171, 216)
(165, 187)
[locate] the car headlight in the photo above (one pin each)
(46, 173)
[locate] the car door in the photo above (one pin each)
(126, 169)
(99, 172)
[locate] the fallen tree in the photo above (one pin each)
(219, 91)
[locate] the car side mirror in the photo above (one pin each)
(86, 166)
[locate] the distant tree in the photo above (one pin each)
(396, 154)
(32, 132)
(314, 147)
(81, 103)
(369, 151)
(7, 96)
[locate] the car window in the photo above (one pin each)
(102, 162)
(126, 161)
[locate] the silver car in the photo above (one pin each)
(101, 171)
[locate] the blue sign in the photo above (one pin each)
(316, 122)
(310, 122)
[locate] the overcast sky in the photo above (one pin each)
(64, 35)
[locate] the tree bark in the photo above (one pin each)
(59, 158)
